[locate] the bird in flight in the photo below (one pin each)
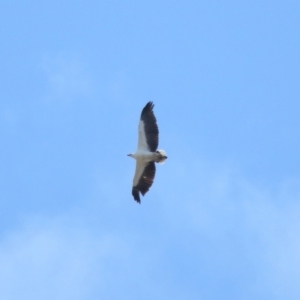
(146, 154)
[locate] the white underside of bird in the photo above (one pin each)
(145, 158)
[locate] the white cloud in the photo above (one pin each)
(248, 227)
(54, 260)
(62, 258)
(215, 230)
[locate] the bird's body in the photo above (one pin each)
(147, 153)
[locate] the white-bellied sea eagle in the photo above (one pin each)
(147, 154)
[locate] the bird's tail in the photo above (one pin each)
(161, 156)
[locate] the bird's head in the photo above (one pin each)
(132, 155)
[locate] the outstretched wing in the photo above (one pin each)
(148, 129)
(143, 179)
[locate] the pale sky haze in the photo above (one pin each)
(222, 219)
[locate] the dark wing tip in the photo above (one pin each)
(145, 182)
(148, 108)
(136, 194)
(150, 126)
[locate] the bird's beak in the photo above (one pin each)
(128, 154)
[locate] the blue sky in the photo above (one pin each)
(222, 218)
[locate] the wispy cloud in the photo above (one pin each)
(62, 258)
(217, 227)
(52, 259)
(253, 231)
